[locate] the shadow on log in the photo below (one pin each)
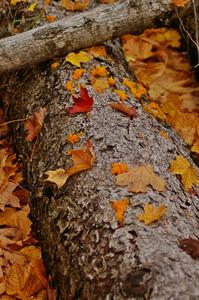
(87, 253)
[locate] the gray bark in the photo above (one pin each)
(88, 255)
(80, 31)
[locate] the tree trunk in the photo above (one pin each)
(87, 253)
(80, 31)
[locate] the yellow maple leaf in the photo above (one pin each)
(120, 207)
(189, 178)
(195, 147)
(97, 51)
(58, 176)
(74, 5)
(179, 165)
(77, 58)
(139, 177)
(151, 213)
(180, 3)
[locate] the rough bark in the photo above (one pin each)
(80, 31)
(87, 253)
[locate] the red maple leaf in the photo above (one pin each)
(82, 104)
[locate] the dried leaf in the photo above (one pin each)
(73, 138)
(122, 94)
(179, 165)
(190, 178)
(59, 177)
(14, 2)
(180, 3)
(139, 177)
(82, 104)
(74, 5)
(51, 18)
(100, 84)
(151, 213)
(119, 168)
(83, 159)
(77, 58)
(130, 111)
(190, 246)
(7, 197)
(120, 207)
(34, 124)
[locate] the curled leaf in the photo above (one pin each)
(130, 111)
(35, 123)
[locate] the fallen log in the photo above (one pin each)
(86, 29)
(88, 254)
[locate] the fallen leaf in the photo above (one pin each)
(7, 197)
(119, 168)
(73, 138)
(74, 5)
(100, 84)
(179, 165)
(51, 18)
(139, 177)
(55, 65)
(99, 71)
(120, 207)
(122, 94)
(151, 213)
(4, 129)
(77, 58)
(82, 104)
(180, 3)
(97, 51)
(59, 177)
(77, 74)
(32, 6)
(83, 159)
(34, 124)
(189, 178)
(69, 85)
(190, 246)
(130, 111)
(14, 2)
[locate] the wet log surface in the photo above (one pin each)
(87, 253)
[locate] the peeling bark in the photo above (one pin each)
(87, 253)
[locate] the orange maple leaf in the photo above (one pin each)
(120, 207)
(34, 124)
(180, 3)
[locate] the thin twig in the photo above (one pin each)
(189, 35)
(13, 121)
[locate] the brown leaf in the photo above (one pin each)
(139, 177)
(7, 197)
(190, 246)
(127, 110)
(34, 124)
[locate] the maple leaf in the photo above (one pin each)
(130, 111)
(189, 178)
(139, 177)
(34, 124)
(74, 5)
(82, 104)
(190, 246)
(120, 207)
(77, 58)
(119, 168)
(180, 3)
(97, 51)
(100, 84)
(83, 159)
(180, 165)
(59, 177)
(151, 213)
(7, 197)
